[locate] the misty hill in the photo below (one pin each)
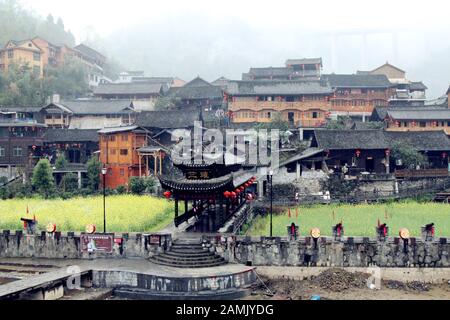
(190, 44)
(18, 23)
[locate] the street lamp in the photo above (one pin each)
(104, 171)
(270, 180)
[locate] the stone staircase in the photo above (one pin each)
(187, 253)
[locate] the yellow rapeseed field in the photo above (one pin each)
(359, 220)
(124, 213)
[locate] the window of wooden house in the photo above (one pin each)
(112, 138)
(422, 124)
(315, 115)
(124, 137)
(269, 115)
(36, 56)
(17, 152)
(2, 151)
(10, 54)
(405, 124)
(122, 172)
(123, 152)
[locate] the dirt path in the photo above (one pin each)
(338, 284)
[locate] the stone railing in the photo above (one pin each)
(329, 252)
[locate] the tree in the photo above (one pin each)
(43, 180)
(138, 185)
(277, 123)
(61, 162)
(21, 86)
(93, 173)
(167, 103)
(68, 80)
(409, 157)
(69, 182)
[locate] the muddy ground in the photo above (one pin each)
(338, 284)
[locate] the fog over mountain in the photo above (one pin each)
(211, 39)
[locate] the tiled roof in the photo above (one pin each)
(96, 106)
(71, 135)
(358, 80)
(89, 51)
(379, 139)
(167, 119)
(118, 129)
(278, 87)
(417, 86)
(304, 61)
(197, 89)
(133, 88)
(419, 114)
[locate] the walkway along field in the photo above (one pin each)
(124, 213)
(358, 220)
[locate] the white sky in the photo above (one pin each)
(107, 16)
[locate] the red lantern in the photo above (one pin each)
(167, 194)
(242, 189)
(233, 194)
(358, 153)
(227, 194)
(237, 191)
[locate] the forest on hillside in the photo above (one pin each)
(17, 23)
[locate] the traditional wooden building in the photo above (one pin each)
(22, 53)
(418, 119)
(76, 145)
(119, 153)
(143, 95)
(209, 191)
(20, 144)
(369, 151)
(88, 114)
(357, 95)
(199, 94)
(295, 69)
(24, 114)
(405, 91)
(304, 104)
(448, 97)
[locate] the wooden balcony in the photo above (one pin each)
(422, 173)
(279, 105)
(363, 96)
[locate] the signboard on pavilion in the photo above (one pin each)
(198, 175)
(97, 243)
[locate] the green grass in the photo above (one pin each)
(359, 220)
(125, 213)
